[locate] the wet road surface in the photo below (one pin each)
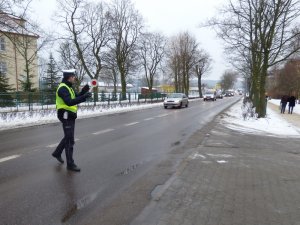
(113, 151)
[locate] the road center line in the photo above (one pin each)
(9, 158)
(131, 124)
(151, 118)
(162, 115)
(54, 145)
(103, 131)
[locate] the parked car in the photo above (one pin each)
(210, 96)
(229, 93)
(176, 100)
(219, 95)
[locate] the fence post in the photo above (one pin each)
(17, 97)
(29, 101)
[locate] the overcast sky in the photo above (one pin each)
(167, 16)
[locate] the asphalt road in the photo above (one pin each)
(114, 153)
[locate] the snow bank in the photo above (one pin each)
(272, 125)
(32, 118)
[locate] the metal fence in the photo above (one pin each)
(29, 101)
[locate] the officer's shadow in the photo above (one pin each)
(66, 182)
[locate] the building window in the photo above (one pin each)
(3, 68)
(2, 44)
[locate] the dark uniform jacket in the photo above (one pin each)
(64, 93)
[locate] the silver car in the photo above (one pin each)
(176, 100)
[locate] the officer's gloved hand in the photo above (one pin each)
(86, 88)
(88, 95)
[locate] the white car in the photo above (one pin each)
(210, 96)
(176, 100)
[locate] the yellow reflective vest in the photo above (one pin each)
(60, 104)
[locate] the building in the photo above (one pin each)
(18, 51)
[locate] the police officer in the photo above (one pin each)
(66, 105)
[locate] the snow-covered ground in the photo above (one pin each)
(39, 117)
(272, 125)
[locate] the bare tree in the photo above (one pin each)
(202, 67)
(182, 60)
(228, 80)
(285, 81)
(262, 34)
(5, 6)
(88, 27)
(110, 69)
(69, 59)
(151, 52)
(173, 63)
(126, 25)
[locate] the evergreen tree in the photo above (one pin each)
(26, 83)
(51, 79)
(5, 97)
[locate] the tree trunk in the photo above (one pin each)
(123, 84)
(176, 81)
(187, 85)
(200, 86)
(261, 109)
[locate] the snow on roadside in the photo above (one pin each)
(40, 117)
(272, 125)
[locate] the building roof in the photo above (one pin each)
(14, 25)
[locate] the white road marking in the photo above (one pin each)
(103, 131)
(131, 124)
(220, 155)
(162, 115)
(197, 155)
(151, 118)
(9, 158)
(222, 161)
(54, 145)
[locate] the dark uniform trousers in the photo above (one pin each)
(67, 142)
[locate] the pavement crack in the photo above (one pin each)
(130, 169)
(176, 143)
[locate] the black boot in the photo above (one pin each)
(73, 167)
(70, 162)
(59, 158)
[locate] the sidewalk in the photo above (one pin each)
(291, 118)
(232, 178)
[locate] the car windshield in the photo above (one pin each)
(175, 95)
(209, 92)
